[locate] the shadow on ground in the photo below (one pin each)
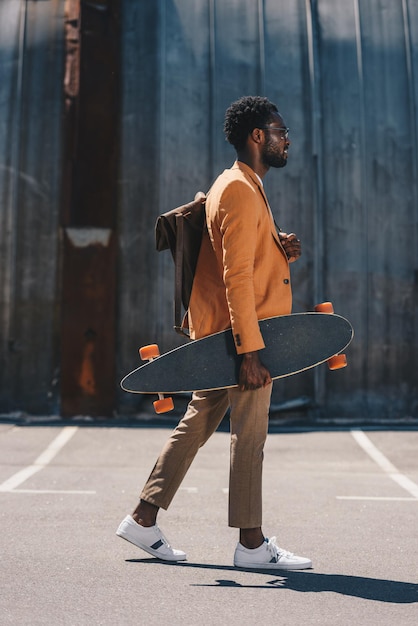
(376, 589)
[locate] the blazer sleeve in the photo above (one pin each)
(238, 216)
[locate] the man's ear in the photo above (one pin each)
(257, 135)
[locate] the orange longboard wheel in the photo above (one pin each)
(149, 352)
(324, 307)
(163, 405)
(337, 362)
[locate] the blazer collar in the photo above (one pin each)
(246, 169)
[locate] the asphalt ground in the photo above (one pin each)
(348, 500)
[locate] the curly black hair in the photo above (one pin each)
(244, 115)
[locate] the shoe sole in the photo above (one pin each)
(150, 550)
(274, 566)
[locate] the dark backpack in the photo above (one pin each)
(181, 231)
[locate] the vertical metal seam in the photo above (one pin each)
(364, 193)
(261, 47)
(212, 90)
(162, 96)
(414, 128)
(316, 148)
(412, 103)
(161, 191)
(318, 226)
(12, 218)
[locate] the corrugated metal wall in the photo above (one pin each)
(344, 75)
(31, 88)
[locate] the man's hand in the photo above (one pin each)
(253, 374)
(291, 245)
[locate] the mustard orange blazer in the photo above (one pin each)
(242, 274)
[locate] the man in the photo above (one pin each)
(242, 276)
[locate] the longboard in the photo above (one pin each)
(294, 343)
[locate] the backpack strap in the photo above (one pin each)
(178, 275)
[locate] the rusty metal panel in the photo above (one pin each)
(89, 209)
(91, 92)
(92, 97)
(87, 322)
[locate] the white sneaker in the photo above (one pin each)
(150, 539)
(269, 556)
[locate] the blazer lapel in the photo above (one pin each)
(254, 179)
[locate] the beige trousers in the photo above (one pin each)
(249, 422)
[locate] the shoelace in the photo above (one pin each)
(275, 551)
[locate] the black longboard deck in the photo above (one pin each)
(294, 343)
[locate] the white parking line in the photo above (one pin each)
(387, 467)
(383, 498)
(10, 485)
(49, 491)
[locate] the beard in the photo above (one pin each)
(273, 155)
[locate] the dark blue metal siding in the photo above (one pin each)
(344, 74)
(31, 76)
